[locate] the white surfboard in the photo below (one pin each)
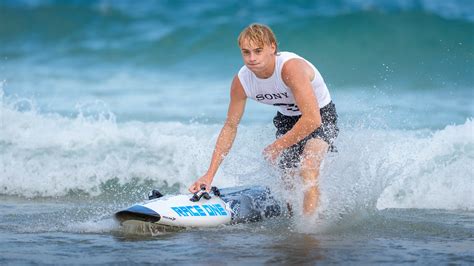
(231, 205)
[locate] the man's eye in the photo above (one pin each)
(258, 51)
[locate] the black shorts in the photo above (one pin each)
(328, 132)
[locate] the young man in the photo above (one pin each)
(306, 122)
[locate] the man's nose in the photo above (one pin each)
(252, 57)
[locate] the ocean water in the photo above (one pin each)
(102, 101)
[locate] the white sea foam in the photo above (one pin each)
(438, 172)
(50, 155)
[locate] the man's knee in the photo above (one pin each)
(313, 154)
(316, 146)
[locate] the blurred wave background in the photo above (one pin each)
(113, 96)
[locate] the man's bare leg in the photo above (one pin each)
(288, 177)
(313, 155)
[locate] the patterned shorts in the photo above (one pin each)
(328, 132)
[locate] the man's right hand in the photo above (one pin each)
(204, 180)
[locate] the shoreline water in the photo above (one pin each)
(392, 236)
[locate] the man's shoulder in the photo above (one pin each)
(285, 56)
(244, 72)
(244, 68)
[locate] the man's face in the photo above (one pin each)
(257, 57)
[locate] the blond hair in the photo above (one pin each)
(258, 34)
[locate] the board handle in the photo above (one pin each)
(204, 194)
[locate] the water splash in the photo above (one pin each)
(48, 155)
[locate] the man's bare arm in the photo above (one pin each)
(227, 135)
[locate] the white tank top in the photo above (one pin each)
(274, 91)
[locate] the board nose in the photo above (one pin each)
(138, 213)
